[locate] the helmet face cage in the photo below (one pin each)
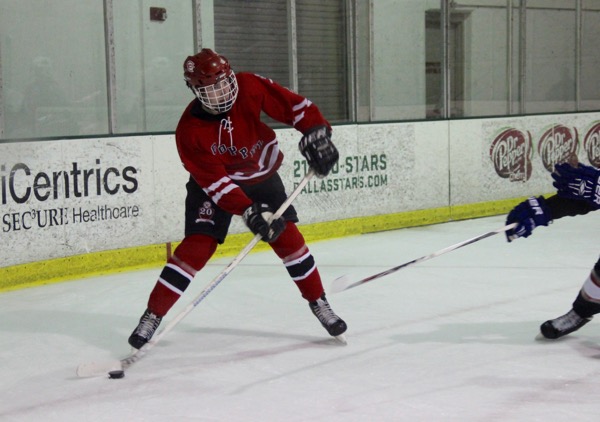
(220, 96)
(210, 77)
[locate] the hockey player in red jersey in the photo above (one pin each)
(578, 193)
(233, 158)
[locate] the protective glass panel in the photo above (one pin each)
(478, 58)
(400, 59)
(149, 53)
(550, 56)
(322, 74)
(53, 68)
(590, 60)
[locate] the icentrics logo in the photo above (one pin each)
(511, 154)
(559, 144)
(20, 183)
(591, 144)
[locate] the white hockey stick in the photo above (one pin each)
(94, 369)
(344, 283)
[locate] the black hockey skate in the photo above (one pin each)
(142, 334)
(563, 325)
(334, 325)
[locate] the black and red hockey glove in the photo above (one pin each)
(257, 218)
(320, 153)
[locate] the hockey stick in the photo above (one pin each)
(93, 369)
(343, 283)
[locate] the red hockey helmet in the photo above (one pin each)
(210, 77)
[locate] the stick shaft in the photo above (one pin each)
(433, 255)
(128, 361)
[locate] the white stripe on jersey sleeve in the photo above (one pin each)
(299, 110)
(221, 187)
(269, 154)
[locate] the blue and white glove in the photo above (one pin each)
(581, 182)
(528, 215)
(319, 151)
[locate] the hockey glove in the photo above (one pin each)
(319, 151)
(257, 218)
(579, 182)
(528, 215)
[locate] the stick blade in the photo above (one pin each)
(341, 339)
(98, 369)
(340, 284)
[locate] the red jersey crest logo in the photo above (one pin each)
(558, 145)
(591, 145)
(511, 154)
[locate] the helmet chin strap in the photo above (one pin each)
(210, 110)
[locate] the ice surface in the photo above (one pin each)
(449, 339)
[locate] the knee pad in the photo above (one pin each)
(289, 242)
(193, 252)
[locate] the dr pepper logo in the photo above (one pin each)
(558, 144)
(511, 154)
(591, 144)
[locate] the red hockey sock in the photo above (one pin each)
(299, 262)
(162, 298)
(190, 257)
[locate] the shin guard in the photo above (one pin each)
(299, 262)
(191, 256)
(587, 302)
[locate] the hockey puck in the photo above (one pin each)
(116, 374)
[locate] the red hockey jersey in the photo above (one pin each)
(237, 147)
